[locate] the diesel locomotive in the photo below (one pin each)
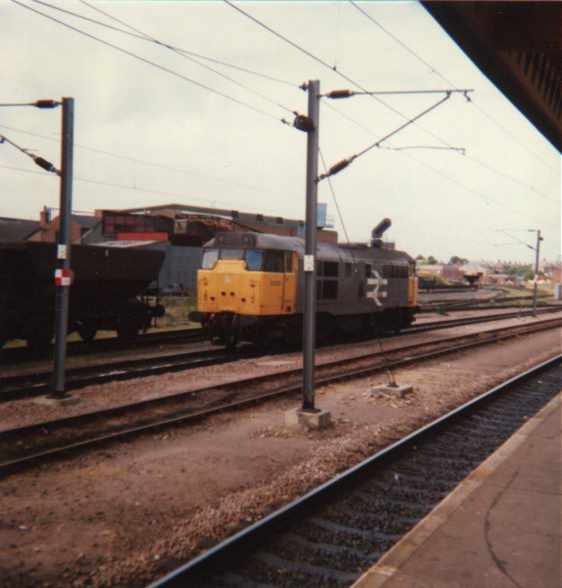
(251, 288)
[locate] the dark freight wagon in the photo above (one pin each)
(104, 295)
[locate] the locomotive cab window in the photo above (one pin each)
(254, 260)
(328, 269)
(210, 257)
(274, 261)
(327, 285)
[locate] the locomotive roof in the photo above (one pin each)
(326, 251)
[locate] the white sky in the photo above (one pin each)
(440, 202)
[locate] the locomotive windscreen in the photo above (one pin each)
(257, 260)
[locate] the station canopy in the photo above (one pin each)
(517, 45)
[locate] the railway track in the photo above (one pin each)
(333, 534)
(34, 384)
(37, 443)
(477, 303)
(16, 355)
(29, 385)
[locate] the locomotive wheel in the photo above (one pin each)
(87, 332)
(230, 341)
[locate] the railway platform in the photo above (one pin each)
(501, 528)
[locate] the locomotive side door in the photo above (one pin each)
(289, 283)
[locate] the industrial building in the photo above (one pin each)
(177, 229)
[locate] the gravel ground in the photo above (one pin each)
(24, 412)
(122, 516)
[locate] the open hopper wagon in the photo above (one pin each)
(105, 293)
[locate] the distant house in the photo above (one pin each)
(16, 229)
(48, 229)
(499, 279)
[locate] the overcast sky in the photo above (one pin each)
(208, 150)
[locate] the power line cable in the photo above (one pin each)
(345, 162)
(397, 40)
(487, 199)
(512, 179)
(334, 197)
(149, 62)
(518, 240)
(328, 66)
(127, 187)
(146, 37)
(139, 161)
(461, 150)
(192, 53)
(445, 79)
(348, 118)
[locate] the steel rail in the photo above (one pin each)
(454, 345)
(35, 384)
(443, 324)
(236, 546)
(22, 354)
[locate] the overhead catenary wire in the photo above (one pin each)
(138, 161)
(461, 150)
(199, 55)
(435, 71)
(327, 65)
(135, 188)
(141, 36)
(185, 55)
(512, 179)
(345, 162)
(340, 215)
(152, 63)
(345, 93)
(485, 197)
(518, 240)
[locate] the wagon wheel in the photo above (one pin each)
(87, 332)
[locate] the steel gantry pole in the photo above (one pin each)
(309, 325)
(537, 258)
(63, 275)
